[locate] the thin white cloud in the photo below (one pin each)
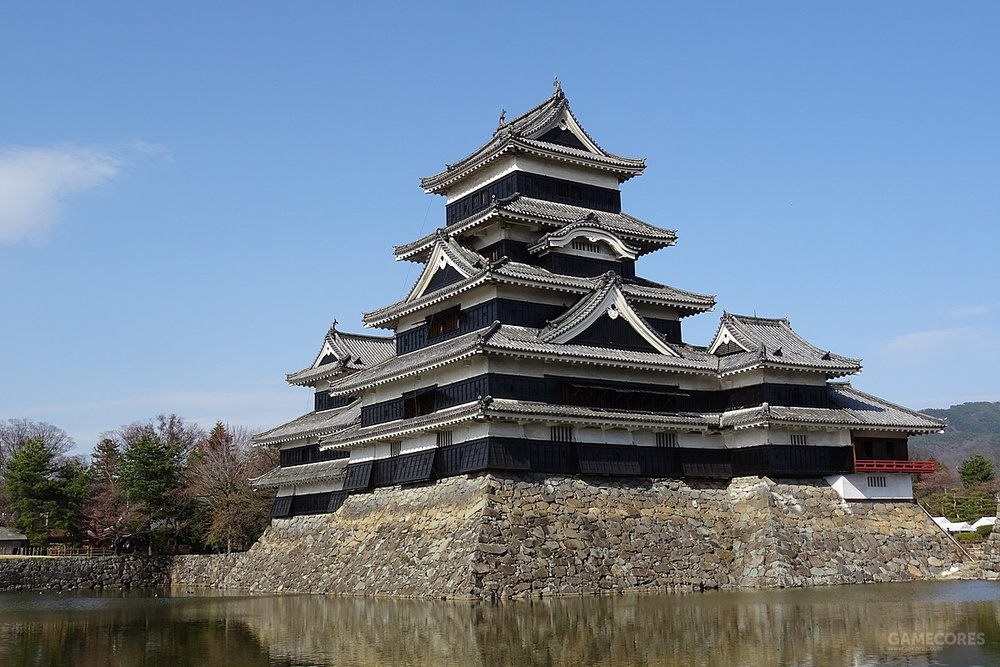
(35, 183)
(969, 311)
(921, 342)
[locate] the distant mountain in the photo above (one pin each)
(972, 428)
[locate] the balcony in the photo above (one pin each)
(888, 465)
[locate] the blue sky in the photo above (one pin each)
(191, 192)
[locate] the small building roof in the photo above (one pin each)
(311, 425)
(742, 343)
(343, 352)
(541, 131)
(322, 471)
(11, 535)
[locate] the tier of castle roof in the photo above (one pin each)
(522, 135)
(342, 353)
(546, 214)
(852, 409)
(478, 271)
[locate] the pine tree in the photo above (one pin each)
(149, 474)
(976, 470)
(42, 494)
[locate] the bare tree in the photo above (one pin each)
(14, 433)
(219, 481)
(168, 428)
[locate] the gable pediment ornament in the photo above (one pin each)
(440, 260)
(589, 229)
(614, 305)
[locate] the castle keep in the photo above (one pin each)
(530, 343)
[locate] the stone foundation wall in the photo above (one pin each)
(502, 535)
(64, 574)
(411, 542)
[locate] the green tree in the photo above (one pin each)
(976, 470)
(42, 493)
(150, 478)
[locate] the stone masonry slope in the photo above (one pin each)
(510, 535)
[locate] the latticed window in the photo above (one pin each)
(395, 448)
(444, 438)
(586, 246)
(666, 439)
(444, 322)
(561, 433)
(877, 482)
(799, 439)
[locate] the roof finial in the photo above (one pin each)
(555, 82)
(503, 116)
(334, 325)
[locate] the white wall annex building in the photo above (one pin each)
(530, 343)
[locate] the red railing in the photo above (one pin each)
(894, 466)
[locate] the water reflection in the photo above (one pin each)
(854, 625)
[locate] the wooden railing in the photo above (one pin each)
(889, 465)
(63, 550)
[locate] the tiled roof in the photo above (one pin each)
(323, 471)
(502, 408)
(510, 408)
(855, 409)
(689, 303)
(349, 351)
(631, 230)
(312, 424)
(412, 363)
(9, 534)
(439, 419)
(644, 236)
(522, 341)
(521, 134)
(772, 342)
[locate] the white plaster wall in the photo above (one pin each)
(659, 312)
(510, 163)
(536, 431)
(504, 430)
(813, 438)
(496, 231)
(603, 436)
(314, 487)
(749, 437)
(856, 487)
(519, 293)
(360, 454)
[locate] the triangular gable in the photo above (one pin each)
(441, 269)
(727, 342)
(563, 129)
(326, 355)
(580, 323)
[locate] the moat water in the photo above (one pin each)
(928, 623)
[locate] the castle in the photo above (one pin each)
(529, 344)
